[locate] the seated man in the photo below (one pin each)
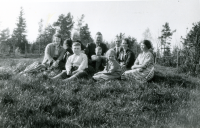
(76, 65)
(90, 50)
(117, 47)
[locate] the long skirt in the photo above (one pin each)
(106, 76)
(142, 76)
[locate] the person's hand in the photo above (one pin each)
(55, 64)
(141, 69)
(94, 57)
(74, 72)
(133, 67)
(121, 64)
(68, 72)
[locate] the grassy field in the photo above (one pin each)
(170, 100)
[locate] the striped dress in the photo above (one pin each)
(147, 73)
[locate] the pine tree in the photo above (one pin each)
(43, 39)
(19, 32)
(40, 32)
(85, 34)
(66, 24)
(166, 38)
(4, 40)
(192, 44)
(147, 35)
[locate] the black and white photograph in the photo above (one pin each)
(99, 64)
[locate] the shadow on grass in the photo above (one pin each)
(172, 80)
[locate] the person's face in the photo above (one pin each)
(98, 52)
(98, 39)
(111, 57)
(143, 47)
(56, 40)
(117, 42)
(124, 44)
(65, 45)
(76, 49)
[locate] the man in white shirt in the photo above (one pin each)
(76, 65)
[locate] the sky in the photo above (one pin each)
(108, 17)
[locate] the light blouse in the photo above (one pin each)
(80, 61)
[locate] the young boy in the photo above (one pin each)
(97, 60)
(75, 66)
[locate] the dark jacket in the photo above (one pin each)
(128, 59)
(117, 53)
(90, 49)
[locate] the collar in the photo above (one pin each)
(98, 44)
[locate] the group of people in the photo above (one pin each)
(76, 61)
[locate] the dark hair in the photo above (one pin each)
(76, 44)
(147, 43)
(127, 41)
(98, 33)
(78, 41)
(68, 42)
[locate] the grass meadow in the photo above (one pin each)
(170, 100)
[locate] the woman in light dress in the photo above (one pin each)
(143, 68)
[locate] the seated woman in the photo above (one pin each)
(143, 68)
(126, 56)
(76, 65)
(54, 53)
(67, 45)
(112, 69)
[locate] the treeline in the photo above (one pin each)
(17, 40)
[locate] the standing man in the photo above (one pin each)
(90, 51)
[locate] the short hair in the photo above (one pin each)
(110, 52)
(98, 33)
(59, 36)
(127, 41)
(78, 41)
(98, 48)
(68, 42)
(147, 43)
(76, 44)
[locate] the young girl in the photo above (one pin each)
(112, 69)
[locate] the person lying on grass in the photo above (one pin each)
(112, 69)
(76, 65)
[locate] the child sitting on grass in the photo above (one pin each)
(96, 64)
(76, 66)
(112, 69)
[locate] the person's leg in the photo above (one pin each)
(78, 75)
(98, 63)
(61, 65)
(62, 75)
